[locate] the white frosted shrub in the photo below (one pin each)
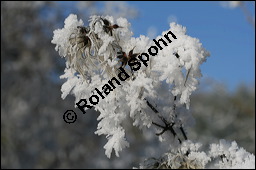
(149, 81)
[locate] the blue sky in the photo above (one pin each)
(224, 32)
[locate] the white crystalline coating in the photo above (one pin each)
(192, 55)
(122, 22)
(68, 85)
(71, 22)
(61, 36)
(233, 156)
(173, 72)
(190, 146)
(188, 156)
(199, 158)
(164, 77)
(106, 41)
(116, 141)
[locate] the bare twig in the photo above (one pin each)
(174, 110)
(187, 76)
(167, 126)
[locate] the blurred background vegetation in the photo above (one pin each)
(33, 133)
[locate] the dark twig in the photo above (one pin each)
(181, 128)
(183, 133)
(187, 76)
(168, 126)
(151, 106)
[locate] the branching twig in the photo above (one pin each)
(168, 126)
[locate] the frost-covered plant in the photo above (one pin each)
(157, 94)
(187, 156)
(229, 155)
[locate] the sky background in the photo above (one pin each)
(223, 31)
